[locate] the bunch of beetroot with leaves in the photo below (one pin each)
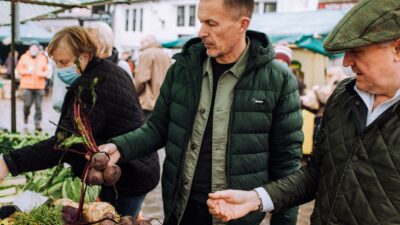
(97, 170)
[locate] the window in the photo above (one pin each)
(192, 15)
(181, 16)
(141, 20)
(269, 7)
(127, 20)
(256, 5)
(134, 20)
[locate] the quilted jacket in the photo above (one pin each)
(115, 112)
(354, 173)
(265, 136)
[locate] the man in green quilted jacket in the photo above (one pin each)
(228, 116)
(354, 172)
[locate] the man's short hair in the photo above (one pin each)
(239, 7)
(243, 7)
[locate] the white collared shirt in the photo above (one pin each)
(369, 100)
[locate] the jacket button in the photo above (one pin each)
(186, 182)
(193, 146)
(357, 103)
(202, 110)
(354, 158)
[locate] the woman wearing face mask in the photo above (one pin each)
(115, 111)
(103, 37)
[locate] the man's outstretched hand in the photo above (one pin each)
(232, 204)
(112, 151)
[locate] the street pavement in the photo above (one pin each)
(48, 114)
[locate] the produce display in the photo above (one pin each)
(57, 182)
(72, 199)
(65, 212)
(10, 141)
(97, 170)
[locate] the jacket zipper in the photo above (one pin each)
(191, 124)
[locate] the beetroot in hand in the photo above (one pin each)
(95, 177)
(99, 161)
(111, 175)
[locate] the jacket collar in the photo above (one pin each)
(261, 52)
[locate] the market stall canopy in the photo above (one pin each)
(32, 9)
(178, 43)
(30, 32)
(305, 29)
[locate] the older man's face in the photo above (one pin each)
(376, 67)
(219, 30)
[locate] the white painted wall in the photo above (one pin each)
(297, 5)
(159, 18)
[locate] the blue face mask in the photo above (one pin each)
(68, 75)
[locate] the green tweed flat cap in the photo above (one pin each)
(369, 21)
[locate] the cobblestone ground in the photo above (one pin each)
(152, 207)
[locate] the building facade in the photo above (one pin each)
(336, 4)
(171, 19)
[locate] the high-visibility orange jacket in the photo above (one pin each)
(32, 71)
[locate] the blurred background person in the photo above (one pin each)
(322, 92)
(283, 53)
(32, 69)
(7, 63)
(150, 72)
(127, 57)
(103, 36)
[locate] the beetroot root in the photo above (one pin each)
(95, 177)
(111, 175)
(99, 161)
(127, 220)
(142, 222)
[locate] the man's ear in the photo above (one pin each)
(396, 50)
(244, 24)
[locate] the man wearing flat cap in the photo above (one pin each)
(354, 172)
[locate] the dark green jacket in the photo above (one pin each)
(265, 134)
(354, 173)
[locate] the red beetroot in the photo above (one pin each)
(107, 222)
(127, 220)
(69, 214)
(99, 161)
(95, 177)
(142, 222)
(111, 175)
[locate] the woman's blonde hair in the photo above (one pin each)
(105, 37)
(75, 39)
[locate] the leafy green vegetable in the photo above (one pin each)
(42, 215)
(71, 140)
